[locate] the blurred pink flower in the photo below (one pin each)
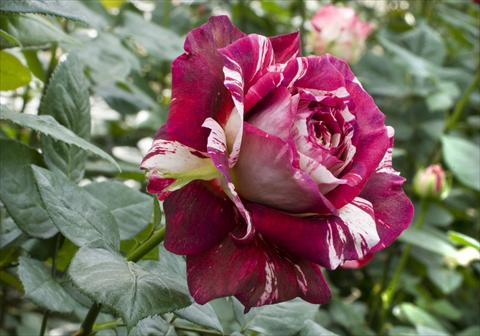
(339, 31)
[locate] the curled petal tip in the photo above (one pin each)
(247, 237)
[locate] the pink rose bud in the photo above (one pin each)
(339, 31)
(431, 182)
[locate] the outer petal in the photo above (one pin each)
(217, 149)
(256, 273)
(326, 240)
(245, 61)
(170, 165)
(286, 46)
(198, 216)
(191, 102)
(266, 174)
(393, 209)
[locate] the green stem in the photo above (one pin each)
(53, 270)
(147, 246)
(107, 325)
(461, 103)
(388, 294)
(303, 14)
(135, 255)
(43, 328)
(201, 331)
(51, 66)
(87, 324)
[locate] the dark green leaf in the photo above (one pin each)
(424, 239)
(77, 214)
(66, 9)
(32, 31)
(153, 326)
(42, 288)
(160, 44)
(462, 157)
(34, 64)
(126, 287)
(18, 191)
(107, 59)
(284, 318)
(446, 280)
(13, 73)
(417, 316)
(49, 126)
(201, 314)
(7, 40)
(71, 111)
(313, 329)
(132, 209)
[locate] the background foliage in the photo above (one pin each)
(85, 84)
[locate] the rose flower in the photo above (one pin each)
(339, 31)
(271, 166)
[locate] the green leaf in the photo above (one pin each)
(18, 191)
(71, 111)
(41, 288)
(106, 59)
(462, 157)
(417, 316)
(284, 318)
(160, 44)
(127, 288)
(446, 280)
(153, 326)
(425, 42)
(32, 31)
(77, 214)
(313, 329)
(202, 315)
(13, 73)
(49, 126)
(445, 309)
(132, 209)
(428, 241)
(66, 9)
(34, 64)
(8, 41)
(464, 240)
(9, 232)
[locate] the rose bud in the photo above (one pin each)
(339, 31)
(271, 165)
(431, 182)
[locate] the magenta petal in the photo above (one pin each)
(325, 240)
(261, 88)
(314, 72)
(192, 103)
(371, 145)
(266, 174)
(393, 209)
(286, 46)
(276, 113)
(217, 149)
(198, 216)
(255, 273)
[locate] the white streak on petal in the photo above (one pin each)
(359, 218)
